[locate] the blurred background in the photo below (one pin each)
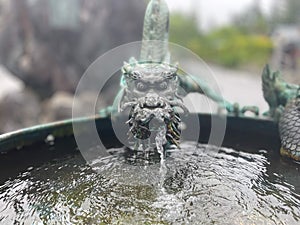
(46, 45)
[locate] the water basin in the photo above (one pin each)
(199, 184)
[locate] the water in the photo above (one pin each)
(199, 185)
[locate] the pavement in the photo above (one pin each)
(236, 86)
(242, 87)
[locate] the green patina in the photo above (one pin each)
(283, 99)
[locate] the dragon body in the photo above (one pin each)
(284, 103)
(289, 129)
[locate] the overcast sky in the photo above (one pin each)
(215, 12)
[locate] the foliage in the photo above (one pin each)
(183, 29)
(230, 46)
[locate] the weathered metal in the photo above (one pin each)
(241, 133)
(283, 99)
(289, 127)
(150, 85)
(36, 134)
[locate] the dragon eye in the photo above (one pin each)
(135, 75)
(141, 86)
(169, 74)
(163, 85)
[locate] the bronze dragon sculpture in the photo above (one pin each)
(150, 87)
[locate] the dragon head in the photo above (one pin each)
(150, 78)
(271, 82)
(150, 91)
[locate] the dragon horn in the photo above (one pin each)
(156, 33)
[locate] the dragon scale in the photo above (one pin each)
(289, 129)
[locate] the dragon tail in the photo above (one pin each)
(156, 32)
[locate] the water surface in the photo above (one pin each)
(201, 185)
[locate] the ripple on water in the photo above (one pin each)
(201, 185)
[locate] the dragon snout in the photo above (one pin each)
(152, 101)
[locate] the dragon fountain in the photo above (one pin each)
(79, 171)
